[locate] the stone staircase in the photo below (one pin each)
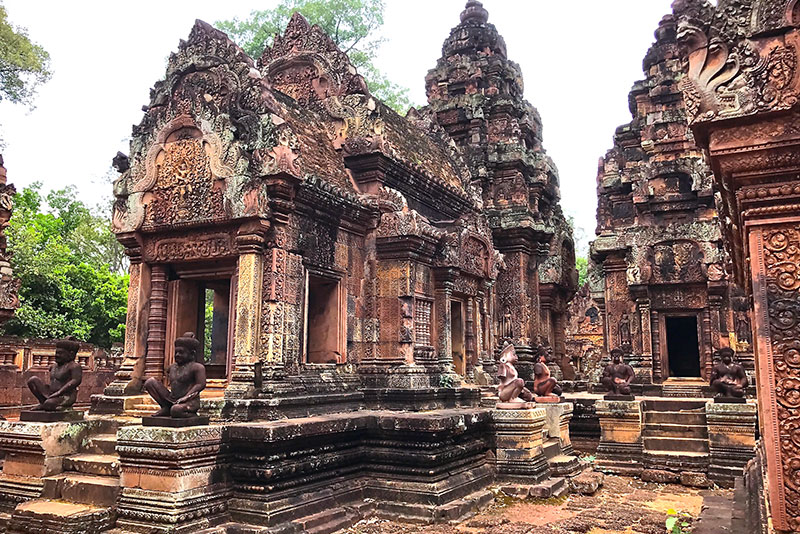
(675, 435)
(691, 388)
(82, 498)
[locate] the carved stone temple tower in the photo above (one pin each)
(476, 94)
(662, 279)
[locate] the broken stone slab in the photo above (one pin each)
(661, 476)
(587, 483)
(695, 480)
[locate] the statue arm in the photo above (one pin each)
(75, 378)
(198, 386)
(742, 377)
(714, 375)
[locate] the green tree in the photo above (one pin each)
(23, 65)
(62, 254)
(352, 24)
(582, 264)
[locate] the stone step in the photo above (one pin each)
(676, 444)
(43, 516)
(684, 418)
(95, 490)
(102, 444)
(673, 405)
(326, 522)
(564, 465)
(552, 448)
(93, 464)
(657, 430)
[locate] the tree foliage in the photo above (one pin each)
(70, 266)
(352, 24)
(23, 65)
(582, 264)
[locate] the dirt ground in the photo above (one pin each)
(622, 506)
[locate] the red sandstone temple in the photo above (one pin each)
(331, 235)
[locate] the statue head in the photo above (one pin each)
(616, 355)
(725, 355)
(186, 348)
(508, 354)
(67, 350)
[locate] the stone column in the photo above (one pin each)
(128, 379)
(731, 440)
(156, 323)
(470, 347)
(620, 449)
(519, 445)
(247, 317)
(171, 479)
(644, 369)
(774, 267)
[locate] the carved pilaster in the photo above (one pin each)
(247, 321)
(774, 267)
(156, 323)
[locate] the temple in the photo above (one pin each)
(340, 313)
(662, 280)
(328, 233)
(351, 276)
(741, 90)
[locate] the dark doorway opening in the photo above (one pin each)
(457, 337)
(683, 348)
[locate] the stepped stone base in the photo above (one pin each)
(56, 517)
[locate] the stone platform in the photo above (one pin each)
(695, 442)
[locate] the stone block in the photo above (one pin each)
(587, 483)
(695, 480)
(620, 448)
(731, 440)
(169, 473)
(518, 440)
(660, 476)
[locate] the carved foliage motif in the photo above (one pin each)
(782, 262)
(306, 64)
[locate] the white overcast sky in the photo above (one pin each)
(579, 59)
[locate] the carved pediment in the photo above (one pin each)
(305, 64)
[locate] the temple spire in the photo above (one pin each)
(475, 12)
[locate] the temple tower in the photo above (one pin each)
(476, 94)
(661, 275)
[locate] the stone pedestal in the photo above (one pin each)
(620, 449)
(172, 479)
(557, 418)
(518, 438)
(731, 440)
(34, 451)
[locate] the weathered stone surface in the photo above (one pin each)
(587, 483)
(660, 476)
(695, 480)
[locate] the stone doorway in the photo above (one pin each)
(683, 348)
(324, 324)
(202, 302)
(457, 337)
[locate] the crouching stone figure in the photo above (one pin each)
(187, 378)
